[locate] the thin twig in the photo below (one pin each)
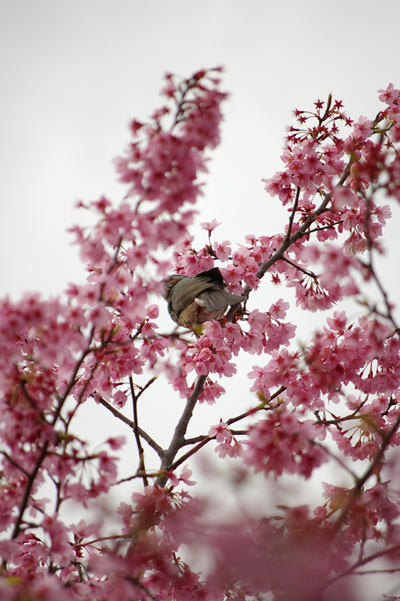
(142, 467)
(262, 405)
(351, 570)
(383, 571)
(370, 266)
(202, 437)
(335, 457)
(327, 110)
(137, 582)
(338, 420)
(152, 443)
(30, 399)
(101, 539)
(325, 227)
(15, 464)
(310, 274)
(361, 481)
(137, 475)
(291, 218)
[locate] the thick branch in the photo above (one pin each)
(178, 439)
(28, 489)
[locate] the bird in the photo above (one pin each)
(196, 299)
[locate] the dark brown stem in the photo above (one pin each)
(179, 435)
(152, 443)
(72, 379)
(362, 562)
(15, 464)
(292, 214)
(302, 231)
(310, 274)
(142, 467)
(327, 110)
(28, 489)
(30, 399)
(136, 582)
(338, 420)
(325, 227)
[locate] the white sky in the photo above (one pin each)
(74, 73)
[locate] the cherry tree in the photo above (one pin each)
(332, 403)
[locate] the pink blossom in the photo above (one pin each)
(222, 250)
(389, 95)
(116, 442)
(279, 308)
(209, 226)
(232, 274)
(283, 443)
(343, 197)
(362, 129)
(221, 432)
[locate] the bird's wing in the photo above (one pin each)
(218, 298)
(214, 274)
(185, 291)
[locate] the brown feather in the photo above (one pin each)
(208, 288)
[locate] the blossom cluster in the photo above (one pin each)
(212, 353)
(57, 354)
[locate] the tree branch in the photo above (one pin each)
(205, 439)
(292, 238)
(179, 435)
(28, 489)
(351, 570)
(142, 467)
(361, 481)
(152, 443)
